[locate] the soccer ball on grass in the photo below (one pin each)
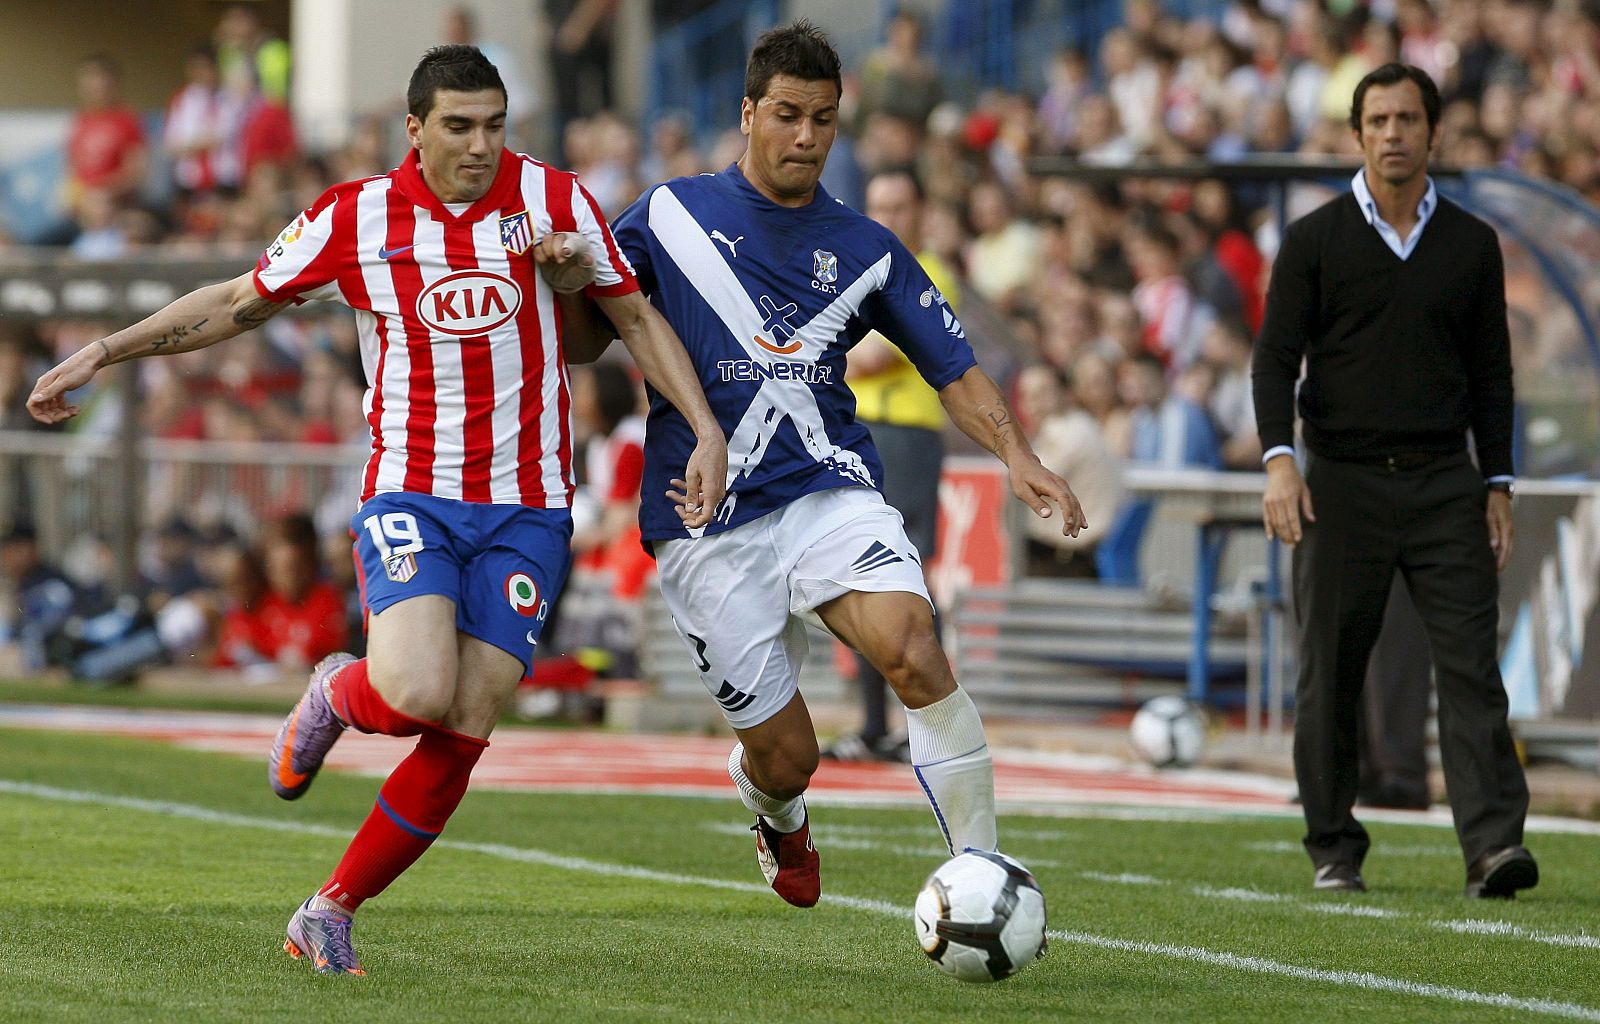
(1168, 732)
(980, 917)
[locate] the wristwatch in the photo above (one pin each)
(1507, 487)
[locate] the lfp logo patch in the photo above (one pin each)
(522, 594)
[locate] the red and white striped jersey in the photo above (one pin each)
(467, 395)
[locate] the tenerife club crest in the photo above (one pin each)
(824, 266)
(516, 233)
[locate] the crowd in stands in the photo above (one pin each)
(1120, 315)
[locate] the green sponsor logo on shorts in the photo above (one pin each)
(522, 593)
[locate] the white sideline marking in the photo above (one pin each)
(1385, 849)
(1579, 941)
(836, 838)
(1123, 878)
(1196, 954)
(1352, 979)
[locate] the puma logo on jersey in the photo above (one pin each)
(729, 242)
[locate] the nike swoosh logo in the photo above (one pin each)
(287, 776)
(782, 350)
(384, 254)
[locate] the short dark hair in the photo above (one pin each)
(799, 50)
(1393, 74)
(453, 66)
(901, 171)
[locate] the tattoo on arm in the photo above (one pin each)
(1000, 419)
(173, 338)
(256, 313)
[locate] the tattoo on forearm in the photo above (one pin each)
(1000, 420)
(106, 349)
(173, 339)
(256, 313)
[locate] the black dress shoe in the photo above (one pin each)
(1500, 872)
(1339, 876)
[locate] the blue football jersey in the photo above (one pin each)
(768, 299)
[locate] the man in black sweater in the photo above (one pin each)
(1395, 299)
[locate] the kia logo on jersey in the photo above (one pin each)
(469, 302)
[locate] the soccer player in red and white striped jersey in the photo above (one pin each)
(463, 529)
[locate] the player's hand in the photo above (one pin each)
(1287, 498)
(1498, 512)
(47, 402)
(1038, 488)
(566, 261)
(697, 496)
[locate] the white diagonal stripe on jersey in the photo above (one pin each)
(692, 250)
(696, 255)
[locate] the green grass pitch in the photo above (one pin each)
(146, 883)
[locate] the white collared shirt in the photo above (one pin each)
(1369, 209)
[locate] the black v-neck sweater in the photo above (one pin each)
(1402, 356)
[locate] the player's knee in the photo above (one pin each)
(424, 705)
(785, 772)
(414, 694)
(917, 669)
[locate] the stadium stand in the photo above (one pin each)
(1024, 121)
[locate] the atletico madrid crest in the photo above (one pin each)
(516, 233)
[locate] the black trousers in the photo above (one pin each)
(1394, 707)
(1429, 524)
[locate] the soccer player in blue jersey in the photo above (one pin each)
(769, 281)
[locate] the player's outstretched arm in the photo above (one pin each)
(662, 359)
(203, 317)
(977, 407)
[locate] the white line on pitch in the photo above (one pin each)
(1194, 954)
(831, 838)
(1386, 849)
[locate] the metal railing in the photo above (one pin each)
(70, 486)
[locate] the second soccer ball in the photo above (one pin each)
(1168, 732)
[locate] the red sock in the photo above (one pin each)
(412, 807)
(363, 708)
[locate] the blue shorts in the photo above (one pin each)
(502, 565)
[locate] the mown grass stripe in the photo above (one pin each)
(1233, 961)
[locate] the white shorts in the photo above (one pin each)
(740, 599)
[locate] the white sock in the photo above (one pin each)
(322, 903)
(783, 815)
(951, 759)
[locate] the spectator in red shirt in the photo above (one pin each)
(606, 400)
(289, 618)
(106, 145)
